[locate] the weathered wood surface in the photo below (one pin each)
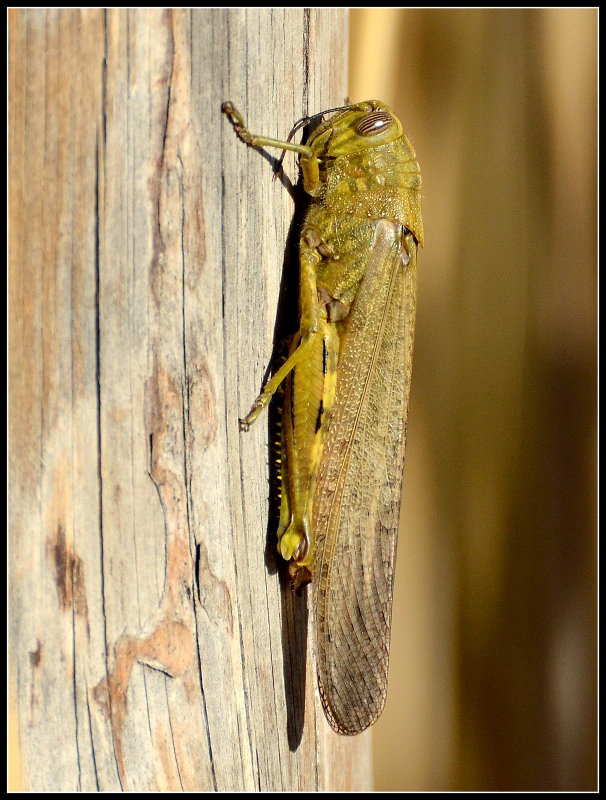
(154, 645)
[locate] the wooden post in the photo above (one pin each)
(154, 645)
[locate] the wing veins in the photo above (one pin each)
(363, 397)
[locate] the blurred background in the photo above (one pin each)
(493, 666)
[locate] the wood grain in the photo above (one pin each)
(154, 645)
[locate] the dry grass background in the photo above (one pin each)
(493, 669)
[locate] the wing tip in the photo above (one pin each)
(353, 719)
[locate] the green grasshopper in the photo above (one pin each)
(346, 393)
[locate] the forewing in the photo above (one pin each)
(357, 507)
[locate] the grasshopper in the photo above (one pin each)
(347, 383)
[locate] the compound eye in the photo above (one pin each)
(375, 122)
